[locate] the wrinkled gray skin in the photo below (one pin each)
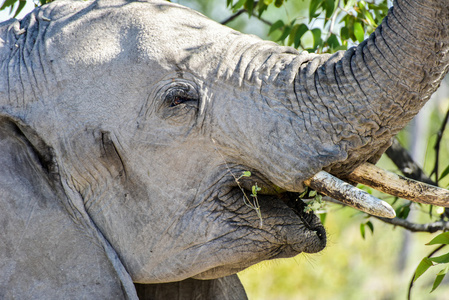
(121, 125)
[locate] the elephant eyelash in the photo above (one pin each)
(178, 97)
(180, 100)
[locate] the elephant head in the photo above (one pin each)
(126, 128)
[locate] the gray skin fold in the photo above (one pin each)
(125, 127)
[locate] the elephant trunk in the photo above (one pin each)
(367, 94)
(332, 113)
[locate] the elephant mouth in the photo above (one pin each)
(286, 231)
(309, 219)
(291, 212)
(284, 227)
(289, 200)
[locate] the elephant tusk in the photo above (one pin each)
(333, 187)
(399, 186)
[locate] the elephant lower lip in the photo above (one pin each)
(309, 219)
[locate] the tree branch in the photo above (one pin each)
(241, 11)
(413, 227)
(232, 17)
(437, 146)
(403, 160)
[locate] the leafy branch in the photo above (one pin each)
(16, 6)
(429, 261)
(356, 19)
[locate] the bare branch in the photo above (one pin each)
(404, 161)
(234, 16)
(241, 11)
(428, 227)
(437, 145)
(399, 186)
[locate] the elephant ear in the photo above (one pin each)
(226, 288)
(49, 249)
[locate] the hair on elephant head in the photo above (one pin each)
(128, 131)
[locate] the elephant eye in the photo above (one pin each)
(180, 102)
(177, 100)
(182, 96)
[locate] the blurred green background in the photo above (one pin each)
(379, 266)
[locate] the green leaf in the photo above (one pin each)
(350, 4)
(330, 6)
(442, 238)
(291, 37)
(369, 18)
(344, 33)
(342, 47)
(314, 5)
(284, 35)
(403, 211)
(333, 42)
(441, 259)
(261, 7)
(296, 33)
(8, 3)
(299, 33)
(439, 278)
(316, 32)
(306, 191)
(19, 8)
(246, 174)
(359, 33)
(423, 266)
(255, 189)
(276, 25)
(371, 226)
(249, 6)
(445, 172)
(323, 218)
(239, 4)
(362, 230)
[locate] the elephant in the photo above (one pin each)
(133, 134)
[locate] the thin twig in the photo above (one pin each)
(232, 17)
(437, 146)
(404, 161)
(265, 21)
(253, 205)
(414, 227)
(241, 11)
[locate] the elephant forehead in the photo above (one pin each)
(179, 37)
(145, 32)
